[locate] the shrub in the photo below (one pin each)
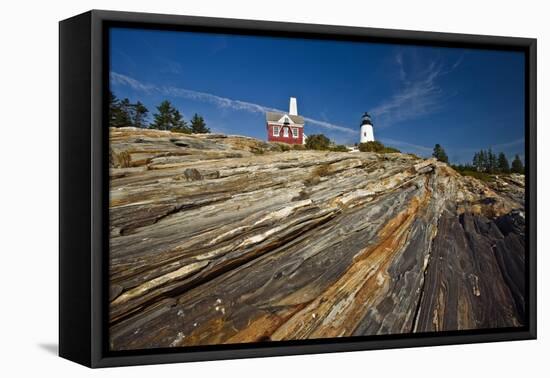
(321, 170)
(377, 147)
(317, 173)
(339, 148)
(317, 142)
(390, 150)
(371, 147)
(257, 150)
(283, 147)
(298, 147)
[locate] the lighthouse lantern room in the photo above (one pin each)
(367, 131)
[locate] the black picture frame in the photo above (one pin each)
(83, 182)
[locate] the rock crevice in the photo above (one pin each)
(226, 239)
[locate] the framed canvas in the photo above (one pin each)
(234, 188)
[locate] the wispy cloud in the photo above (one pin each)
(458, 62)
(221, 102)
(419, 94)
(513, 143)
(399, 61)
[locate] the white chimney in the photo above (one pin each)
(293, 107)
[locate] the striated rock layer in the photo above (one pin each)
(226, 239)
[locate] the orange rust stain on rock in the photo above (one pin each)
(221, 330)
(261, 328)
(341, 307)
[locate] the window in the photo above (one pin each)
(285, 132)
(295, 132)
(276, 130)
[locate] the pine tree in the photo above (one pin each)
(476, 162)
(124, 115)
(440, 154)
(484, 161)
(119, 112)
(180, 126)
(139, 115)
(503, 165)
(114, 108)
(163, 119)
(492, 161)
(198, 126)
(169, 118)
(517, 165)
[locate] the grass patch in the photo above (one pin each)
(280, 147)
(257, 150)
(485, 177)
(318, 172)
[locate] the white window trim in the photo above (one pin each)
(285, 119)
(276, 131)
(295, 133)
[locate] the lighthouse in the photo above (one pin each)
(367, 131)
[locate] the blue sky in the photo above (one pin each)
(464, 99)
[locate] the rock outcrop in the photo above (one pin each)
(226, 239)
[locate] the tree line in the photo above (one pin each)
(123, 113)
(489, 162)
(485, 161)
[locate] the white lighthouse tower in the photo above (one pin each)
(367, 131)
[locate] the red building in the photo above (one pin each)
(286, 128)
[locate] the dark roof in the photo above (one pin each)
(366, 120)
(276, 116)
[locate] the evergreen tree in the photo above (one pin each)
(476, 161)
(517, 165)
(119, 112)
(139, 115)
(492, 162)
(484, 161)
(198, 126)
(180, 126)
(114, 108)
(169, 118)
(124, 114)
(440, 154)
(163, 119)
(503, 165)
